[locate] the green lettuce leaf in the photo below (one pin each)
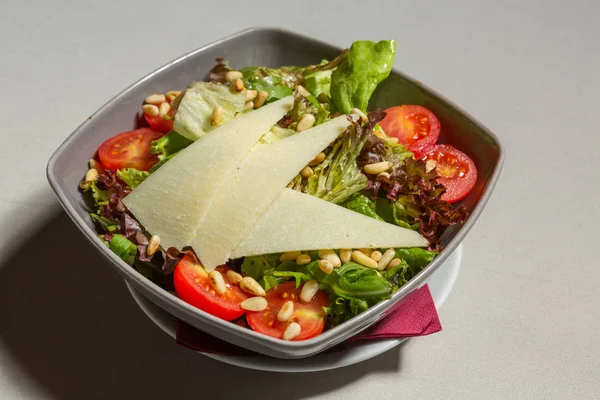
(107, 224)
(132, 177)
(395, 212)
(355, 79)
(318, 82)
(259, 266)
(167, 147)
(122, 247)
(362, 204)
(416, 258)
(277, 82)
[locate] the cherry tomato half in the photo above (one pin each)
(129, 150)
(193, 286)
(412, 125)
(310, 316)
(159, 124)
(456, 170)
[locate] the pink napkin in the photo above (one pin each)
(414, 315)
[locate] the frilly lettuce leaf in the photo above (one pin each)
(132, 177)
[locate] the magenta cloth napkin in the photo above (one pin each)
(414, 315)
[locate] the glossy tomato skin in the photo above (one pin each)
(193, 286)
(129, 150)
(414, 126)
(310, 316)
(456, 170)
(159, 124)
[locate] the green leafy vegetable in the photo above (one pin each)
(107, 224)
(259, 266)
(122, 247)
(416, 258)
(318, 82)
(132, 177)
(355, 79)
(194, 111)
(362, 204)
(395, 212)
(167, 147)
(277, 82)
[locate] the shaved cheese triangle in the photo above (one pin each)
(173, 201)
(258, 181)
(298, 221)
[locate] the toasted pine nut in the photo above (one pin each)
(378, 167)
(376, 256)
(386, 258)
(290, 256)
(305, 122)
(261, 97)
(307, 172)
(366, 252)
(153, 244)
(170, 98)
(330, 256)
(155, 99)
(163, 109)
(173, 93)
(150, 110)
(231, 76)
(430, 165)
(238, 85)
(286, 311)
(345, 255)
(325, 266)
(217, 281)
(254, 304)
(251, 95)
(363, 259)
(248, 105)
(292, 331)
(217, 115)
(249, 285)
(384, 175)
(361, 114)
(317, 160)
(302, 91)
(303, 259)
(91, 175)
(233, 277)
(394, 263)
(309, 290)
(95, 164)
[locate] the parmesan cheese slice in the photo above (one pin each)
(173, 201)
(298, 221)
(259, 179)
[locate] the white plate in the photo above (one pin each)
(440, 285)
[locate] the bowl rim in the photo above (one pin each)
(323, 340)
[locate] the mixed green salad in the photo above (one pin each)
(386, 165)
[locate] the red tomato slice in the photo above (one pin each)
(193, 286)
(311, 316)
(129, 150)
(159, 124)
(456, 170)
(412, 125)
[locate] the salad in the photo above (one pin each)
(274, 198)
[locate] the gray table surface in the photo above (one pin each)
(523, 320)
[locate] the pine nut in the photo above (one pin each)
(290, 256)
(231, 76)
(303, 259)
(254, 304)
(292, 331)
(261, 97)
(302, 91)
(376, 256)
(249, 285)
(379, 135)
(430, 165)
(378, 167)
(309, 290)
(155, 99)
(163, 109)
(325, 266)
(330, 256)
(95, 165)
(217, 281)
(173, 93)
(248, 105)
(307, 172)
(363, 259)
(286, 311)
(150, 110)
(233, 277)
(384, 175)
(361, 114)
(317, 160)
(91, 175)
(238, 85)
(170, 98)
(394, 263)
(217, 115)
(153, 244)
(345, 255)
(251, 95)
(386, 258)
(305, 122)
(366, 252)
